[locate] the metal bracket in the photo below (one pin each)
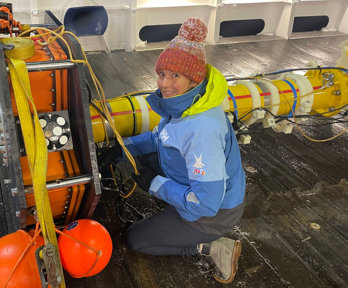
(48, 263)
(328, 79)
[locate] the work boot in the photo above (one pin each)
(225, 253)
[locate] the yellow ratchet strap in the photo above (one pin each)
(36, 149)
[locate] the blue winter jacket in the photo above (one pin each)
(198, 153)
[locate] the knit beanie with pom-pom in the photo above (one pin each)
(185, 54)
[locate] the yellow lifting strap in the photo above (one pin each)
(36, 149)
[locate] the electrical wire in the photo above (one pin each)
(301, 130)
(305, 69)
(250, 130)
(255, 127)
(287, 99)
(58, 34)
(261, 75)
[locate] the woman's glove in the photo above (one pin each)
(144, 179)
(109, 154)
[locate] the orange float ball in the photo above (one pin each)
(11, 248)
(77, 259)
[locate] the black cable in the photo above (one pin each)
(339, 108)
(252, 130)
(318, 116)
(249, 112)
(314, 125)
(285, 116)
(98, 109)
(138, 93)
(89, 90)
(240, 78)
(306, 68)
(287, 70)
(280, 118)
(134, 115)
(120, 202)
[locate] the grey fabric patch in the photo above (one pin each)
(191, 197)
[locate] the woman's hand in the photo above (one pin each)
(145, 178)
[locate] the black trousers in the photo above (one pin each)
(166, 233)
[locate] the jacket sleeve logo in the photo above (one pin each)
(198, 165)
(163, 135)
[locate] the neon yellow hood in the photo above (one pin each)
(215, 93)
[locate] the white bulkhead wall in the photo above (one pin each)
(128, 17)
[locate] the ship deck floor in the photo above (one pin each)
(295, 227)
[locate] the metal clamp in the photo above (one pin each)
(48, 263)
(328, 79)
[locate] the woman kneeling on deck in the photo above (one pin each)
(200, 174)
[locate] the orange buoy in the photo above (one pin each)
(77, 259)
(11, 249)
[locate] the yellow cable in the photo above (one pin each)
(95, 80)
(115, 183)
(130, 193)
(319, 140)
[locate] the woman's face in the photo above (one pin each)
(172, 83)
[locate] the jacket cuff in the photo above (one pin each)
(156, 184)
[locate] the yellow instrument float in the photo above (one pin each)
(321, 91)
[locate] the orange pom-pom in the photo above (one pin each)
(11, 248)
(194, 29)
(78, 260)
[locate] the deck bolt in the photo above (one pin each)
(315, 226)
(14, 191)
